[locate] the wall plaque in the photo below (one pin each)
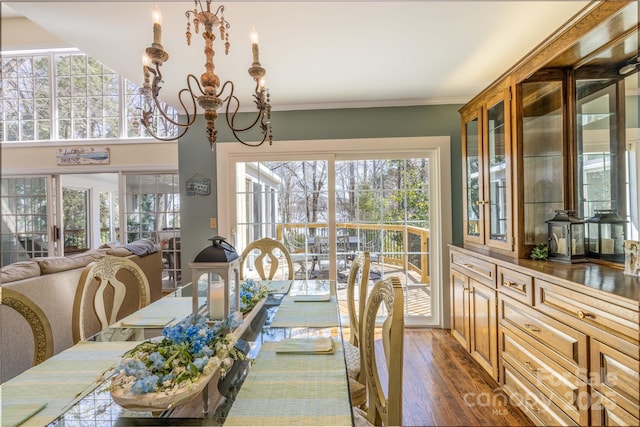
(83, 156)
(198, 185)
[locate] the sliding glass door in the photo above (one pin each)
(327, 210)
(25, 219)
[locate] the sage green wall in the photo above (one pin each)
(196, 157)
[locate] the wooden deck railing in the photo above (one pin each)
(394, 244)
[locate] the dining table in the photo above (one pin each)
(296, 373)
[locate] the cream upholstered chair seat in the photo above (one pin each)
(37, 320)
(358, 278)
(267, 248)
(383, 408)
(102, 298)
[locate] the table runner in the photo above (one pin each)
(293, 389)
(292, 314)
(60, 381)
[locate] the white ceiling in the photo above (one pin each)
(320, 54)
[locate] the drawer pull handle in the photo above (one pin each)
(532, 406)
(583, 314)
(510, 284)
(531, 367)
(531, 327)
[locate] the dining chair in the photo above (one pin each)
(297, 248)
(267, 247)
(383, 408)
(37, 320)
(102, 299)
(358, 278)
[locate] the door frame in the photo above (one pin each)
(437, 148)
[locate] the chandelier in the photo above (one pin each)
(205, 92)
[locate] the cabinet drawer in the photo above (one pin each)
(605, 412)
(569, 345)
(534, 403)
(478, 269)
(615, 375)
(590, 315)
(517, 285)
(561, 386)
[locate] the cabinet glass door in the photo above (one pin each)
(496, 193)
(473, 227)
(601, 167)
(542, 147)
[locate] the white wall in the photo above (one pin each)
(37, 159)
(23, 34)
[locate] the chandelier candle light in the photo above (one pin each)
(210, 96)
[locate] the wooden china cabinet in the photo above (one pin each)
(528, 140)
(557, 131)
(487, 171)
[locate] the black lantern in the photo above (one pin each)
(566, 237)
(607, 233)
(222, 260)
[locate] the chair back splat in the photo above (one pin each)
(384, 409)
(267, 247)
(359, 270)
(101, 302)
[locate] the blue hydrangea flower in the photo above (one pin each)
(157, 360)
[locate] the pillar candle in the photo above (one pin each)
(254, 46)
(562, 245)
(157, 27)
(607, 246)
(216, 300)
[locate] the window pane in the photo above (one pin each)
(83, 88)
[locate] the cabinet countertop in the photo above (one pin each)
(596, 279)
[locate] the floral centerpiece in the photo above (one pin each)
(161, 373)
(251, 293)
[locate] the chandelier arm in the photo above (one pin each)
(248, 144)
(190, 119)
(146, 123)
(220, 9)
(236, 131)
(230, 117)
(231, 124)
(155, 93)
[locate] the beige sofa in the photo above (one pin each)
(51, 284)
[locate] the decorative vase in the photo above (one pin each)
(162, 401)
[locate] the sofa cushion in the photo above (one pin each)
(18, 271)
(119, 251)
(52, 265)
(142, 247)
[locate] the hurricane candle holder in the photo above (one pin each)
(222, 260)
(606, 236)
(566, 237)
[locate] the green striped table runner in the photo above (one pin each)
(291, 313)
(293, 389)
(59, 382)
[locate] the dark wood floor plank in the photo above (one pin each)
(443, 385)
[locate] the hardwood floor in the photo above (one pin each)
(443, 385)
